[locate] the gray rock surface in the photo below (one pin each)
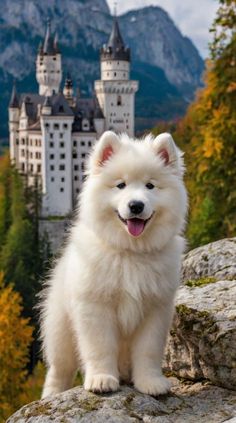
(191, 403)
(202, 341)
(217, 259)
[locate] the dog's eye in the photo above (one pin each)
(149, 185)
(122, 185)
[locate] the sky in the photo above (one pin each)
(192, 17)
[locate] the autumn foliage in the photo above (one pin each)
(15, 339)
(207, 134)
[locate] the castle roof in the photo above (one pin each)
(50, 43)
(115, 49)
(14, 102)
(85, 108)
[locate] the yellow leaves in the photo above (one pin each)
(15, 339)
(231, 87)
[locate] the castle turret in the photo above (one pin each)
(115, 92)
(48, 64)
(14, 116)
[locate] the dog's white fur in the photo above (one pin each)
(109, 301)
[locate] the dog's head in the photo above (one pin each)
(134, 187)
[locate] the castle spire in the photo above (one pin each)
(115, 49)
(14, 102)
(48, 45)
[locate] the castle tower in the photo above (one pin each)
(48, 65)
(14, 117)
(115, 91)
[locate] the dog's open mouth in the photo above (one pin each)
(135, 225)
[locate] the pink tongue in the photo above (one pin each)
(135, 226)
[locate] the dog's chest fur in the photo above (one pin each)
(131, 283)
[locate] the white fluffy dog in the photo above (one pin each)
(109, 302)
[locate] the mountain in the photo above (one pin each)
(167, 64)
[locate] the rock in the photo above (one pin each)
(216, 259)
(187, 403)
(202, 342)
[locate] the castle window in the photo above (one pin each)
(62, 179)
(51, 167)
(54, 58)
(65, 126)
(77, 190)
(82, 166)
(61, 135)
(123, 74)
(82, 143)
(76, 167)
(89, 144)
(83, 155)
(74, 155)
(74, 143)
(52, 179)
(23, 141)
(76, 178)
(61, 167)
(38, 168)
(51, 135)
(107, 73)
(111, 104)
(22, 153)
(23, 167)
(114, 73)
(31, 155)
(119, 100)
(17, 141)
(47, 125)
(51, 144)
(62, 156)
(127, 126)
(61, 109)
(51, 156)
(61, 189)
(56, 125)
(62, 144)
(31, 168)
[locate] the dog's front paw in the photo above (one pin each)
(101, 383)
(153, 385)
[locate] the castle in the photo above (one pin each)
(52, 132)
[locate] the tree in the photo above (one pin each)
(15, 339)
(208, 136)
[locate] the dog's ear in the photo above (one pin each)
(171, 155)
(165, 147)
(106, 146)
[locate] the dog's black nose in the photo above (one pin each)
(136, 207)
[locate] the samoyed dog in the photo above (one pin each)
(110, 299)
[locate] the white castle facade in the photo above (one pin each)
(52, 132)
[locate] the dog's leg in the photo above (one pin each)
(147, 352)
(60, 353)
(98, 345)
